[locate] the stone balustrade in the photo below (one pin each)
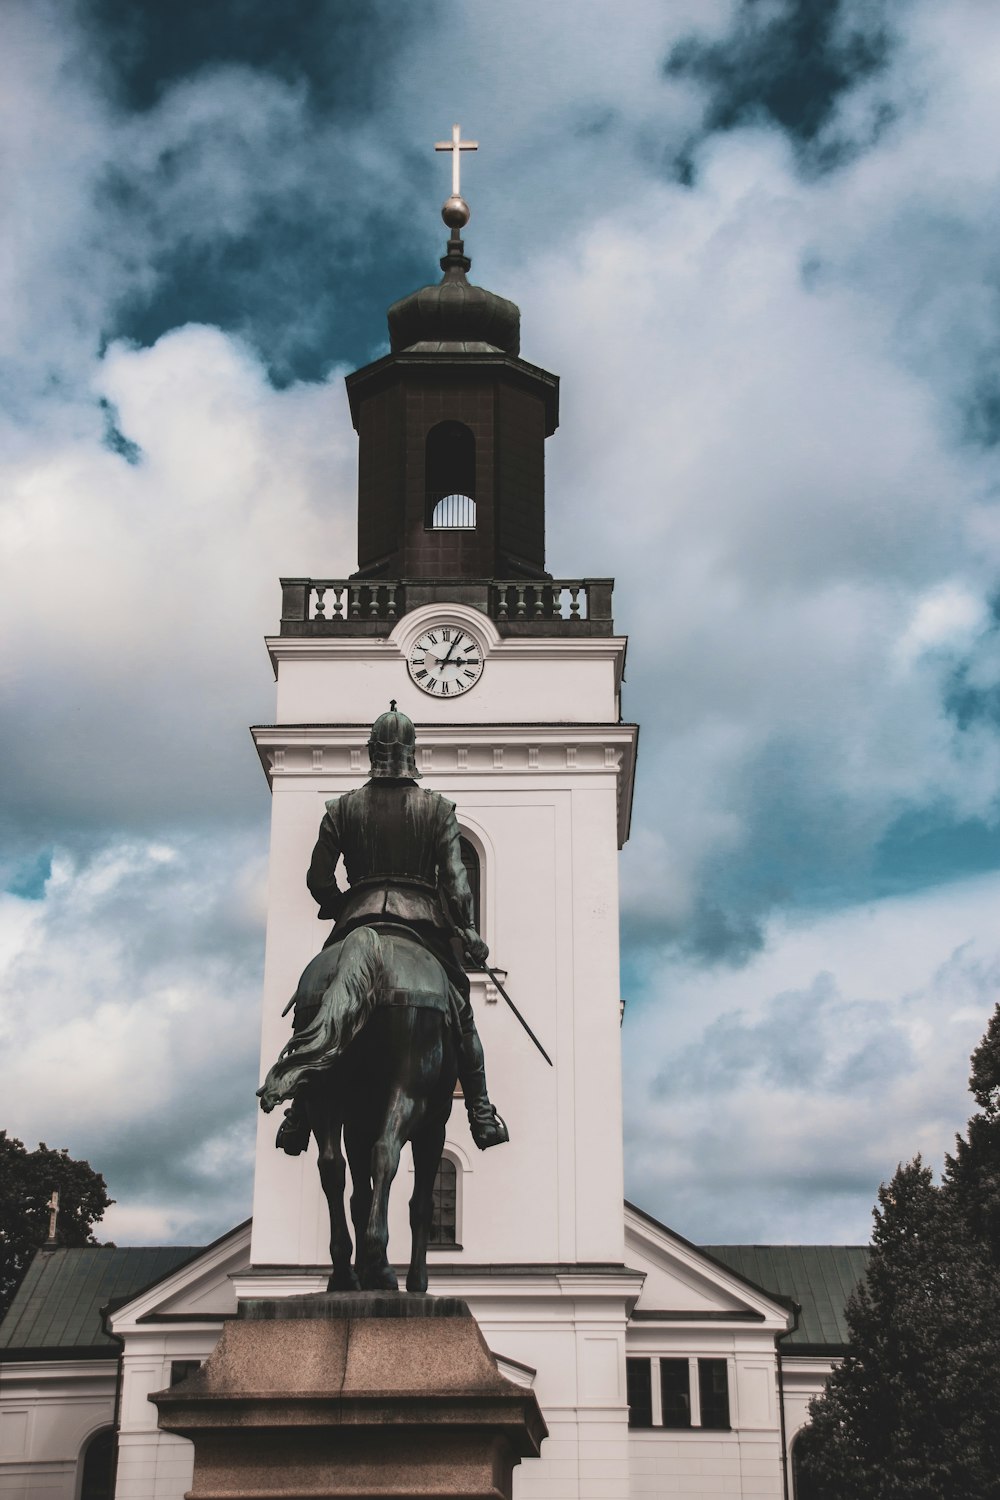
(348, 606)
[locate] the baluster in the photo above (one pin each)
(574, 602)
(355, 604)
(373, 602)
(539, 603)
(501, 601)
(392, 590)
(320, 611)
(521, 607)
(338, 602)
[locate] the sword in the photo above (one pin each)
(493, 975)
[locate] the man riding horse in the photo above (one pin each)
(400, 845)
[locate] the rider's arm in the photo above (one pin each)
(322, 876)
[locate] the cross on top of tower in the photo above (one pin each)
(455, 212)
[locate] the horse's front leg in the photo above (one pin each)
(402, 1117)
(326, 1120)
(427, 1146)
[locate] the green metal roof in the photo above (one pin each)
(819, 1277)
(57, 1308)
(58, 1305)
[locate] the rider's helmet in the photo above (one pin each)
(391, 746)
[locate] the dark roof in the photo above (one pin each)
(819, 1277)
(58, 1305)
(455, 316)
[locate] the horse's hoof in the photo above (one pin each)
(343, 1281)
(416, 1283)
(379, 1279)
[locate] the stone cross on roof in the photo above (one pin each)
(53, 1208)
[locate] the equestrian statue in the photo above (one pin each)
(383, 1022)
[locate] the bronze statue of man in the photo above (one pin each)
(400, 846)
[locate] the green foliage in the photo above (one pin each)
(973, 1173)
(27, 1179)
(913, 1412)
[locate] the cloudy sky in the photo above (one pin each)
(760, 242)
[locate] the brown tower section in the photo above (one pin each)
(452, 427)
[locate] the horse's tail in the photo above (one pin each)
(345, 1007)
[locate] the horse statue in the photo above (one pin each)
(379, 1070)
(383, 1020)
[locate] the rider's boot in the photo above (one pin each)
(293, 1132)
(488, 1129)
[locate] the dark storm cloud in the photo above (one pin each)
(313, 255)
(789, 63)
(343, 52)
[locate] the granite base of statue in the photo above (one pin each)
(372, 1394)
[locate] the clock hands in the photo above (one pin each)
(443, 661)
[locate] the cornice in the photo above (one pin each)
(325, 752)
(366, 647)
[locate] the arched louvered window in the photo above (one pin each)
(450, 478)
(444, 1220)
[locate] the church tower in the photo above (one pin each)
(512, 677)
(659, 1367)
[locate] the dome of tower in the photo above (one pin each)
(454, 317)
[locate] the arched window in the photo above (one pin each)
(802, 1488)
(470, 860)
(97, 1479)
(444, 1220)
(450, 471)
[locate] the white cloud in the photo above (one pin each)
(129, 993)
(770, 1105)
(138, 595)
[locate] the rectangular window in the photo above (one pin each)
(675, 1387)
(713, 1388)
(180, 1369)
(639, 1384)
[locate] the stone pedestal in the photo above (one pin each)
(366, 1394)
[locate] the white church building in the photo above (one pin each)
(661, 1367)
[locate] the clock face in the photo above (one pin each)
(445, 661)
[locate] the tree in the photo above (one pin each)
(27, 1180)
(973, 1173)
(913, 1412)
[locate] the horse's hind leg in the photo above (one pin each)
(325, 1119)
(427, 1147)
(401, 1119)
(358, 1141)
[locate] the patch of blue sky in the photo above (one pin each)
(924, 849)
(28, 876)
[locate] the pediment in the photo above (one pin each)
(200, 1288)
(682, 1280)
